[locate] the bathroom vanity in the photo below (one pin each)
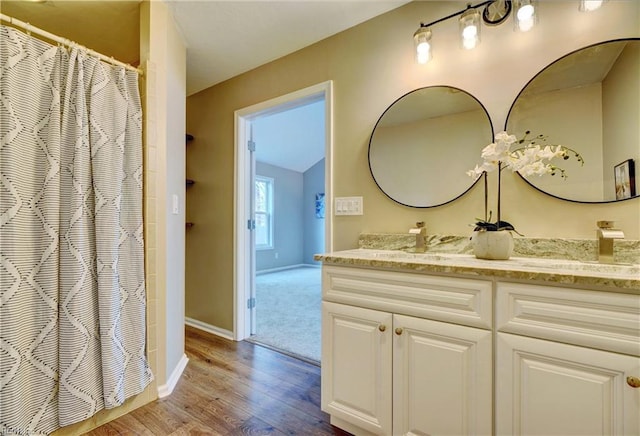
(449, 344)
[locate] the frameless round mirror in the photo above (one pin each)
(588, 100)
(425, 142)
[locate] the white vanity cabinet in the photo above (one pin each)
(395, 359)
(562, 362)
(415, 353)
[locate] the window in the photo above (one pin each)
(264, 212)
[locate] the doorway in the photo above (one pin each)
(248, 122)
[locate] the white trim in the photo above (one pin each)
(284, 268)
(241, 197)
(313, 265)
(223, 333)
(166, 389)
(328, 167)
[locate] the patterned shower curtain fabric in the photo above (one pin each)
(72, 295)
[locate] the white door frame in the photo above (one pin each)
(243, 191)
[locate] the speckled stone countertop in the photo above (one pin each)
(625, 250)
(452, 255)
(606, 276)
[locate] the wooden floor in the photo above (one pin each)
(233, 388)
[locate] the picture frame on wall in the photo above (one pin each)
(320, 205)
(625, 180)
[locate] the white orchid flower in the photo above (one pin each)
(535, 168)
(528, 160)
(504, 137)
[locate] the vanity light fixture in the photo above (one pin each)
(422, 42)
(525, 15)
(470, 36)
(494, 12)
(470, 28)
(590, 5)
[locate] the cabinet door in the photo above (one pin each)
(549, 388)
(356, 366)
(442, 378)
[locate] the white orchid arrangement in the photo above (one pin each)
(533, 158)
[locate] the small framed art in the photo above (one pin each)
(625, 180)
(320, 205)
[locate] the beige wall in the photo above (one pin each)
(371, 65)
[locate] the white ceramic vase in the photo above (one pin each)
(493, 245)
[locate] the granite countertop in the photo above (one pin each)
(583, 273)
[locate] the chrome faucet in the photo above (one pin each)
(606, 234)
(421, 235)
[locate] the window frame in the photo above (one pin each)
(269, 214)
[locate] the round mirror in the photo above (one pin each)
(588, 100)
(425, 142)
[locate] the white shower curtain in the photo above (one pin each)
(72, 296)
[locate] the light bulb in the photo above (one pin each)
(470, 29)
(525, 13)
(422, 41)
(423, 58)
(423, 47)
(423, 52)
(470, 32)
(525, 16)
(469, 44)
(470, 37)
(525, 25)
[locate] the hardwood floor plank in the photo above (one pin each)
(125, 425)
(248, 385)
(256, 426)
(273, 407)
(160, 418)
(194, 428)
(207, 409)
(233, 388)
(260, 358)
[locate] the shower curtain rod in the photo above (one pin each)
(31, 29)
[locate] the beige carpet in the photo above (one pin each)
(288, 306)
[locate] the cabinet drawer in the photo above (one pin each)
(604, 320)
(461, 301)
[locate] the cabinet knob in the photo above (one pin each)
(382, 327)
(399, 331)
(634, 382)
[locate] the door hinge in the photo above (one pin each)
(251, 145)
(251, 224)
(251, 303)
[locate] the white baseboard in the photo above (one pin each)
(284, 268)
(166, 389)
(223, 333)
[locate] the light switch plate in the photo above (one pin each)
(349, 206)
